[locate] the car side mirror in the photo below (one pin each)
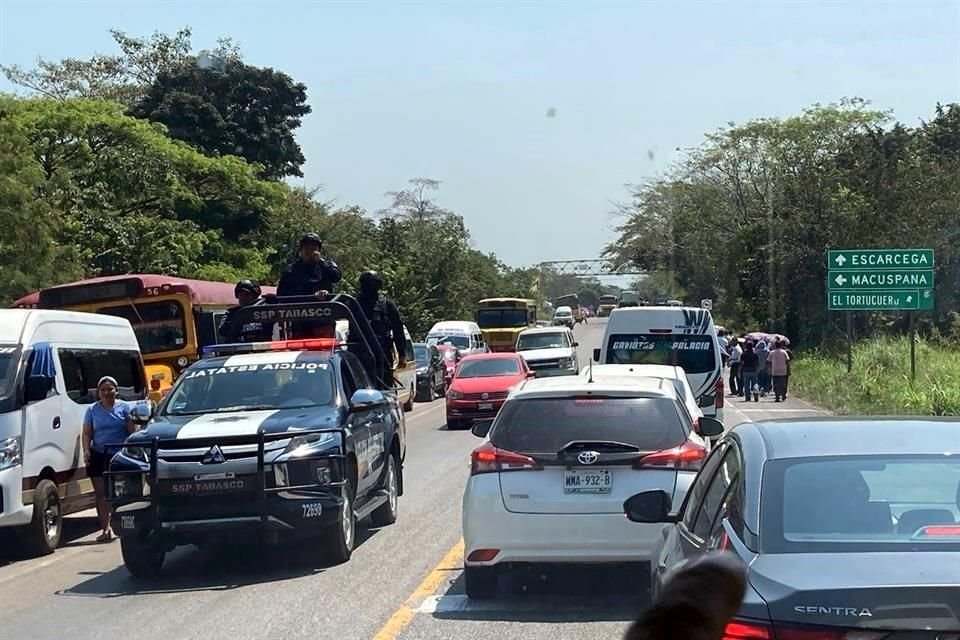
(366, 399)
(707, 400)
(142, 412)
(481, 428)
(651, 507)
(710, 427)
(576, 344)
(531, 374)
(596, 355)
(36, 388)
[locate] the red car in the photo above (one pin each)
(451, 357)
(481, 384)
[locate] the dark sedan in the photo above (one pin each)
(849, 527)
(431, 372)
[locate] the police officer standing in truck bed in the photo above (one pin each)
(309, 275)
(384, 318)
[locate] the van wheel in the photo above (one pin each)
(142, 558)
(408, 405)
(42, 536)
(481, 582)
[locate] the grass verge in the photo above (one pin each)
(880, 381)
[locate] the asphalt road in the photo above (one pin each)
(404, 581)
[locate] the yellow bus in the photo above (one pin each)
(606, 304)
(173, 318)
(502, 319)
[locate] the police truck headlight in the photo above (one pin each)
(130, 485)
(10, 455)
(140, 454)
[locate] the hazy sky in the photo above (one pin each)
(460, 91)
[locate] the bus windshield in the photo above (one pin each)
(501, 318)
(160, 326)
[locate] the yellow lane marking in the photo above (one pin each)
(403, 616)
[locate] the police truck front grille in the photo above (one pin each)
(229, 453)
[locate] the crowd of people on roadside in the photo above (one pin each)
(757, 367)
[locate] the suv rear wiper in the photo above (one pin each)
(602, 445)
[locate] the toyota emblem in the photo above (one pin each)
(484, 396)
(588, 457)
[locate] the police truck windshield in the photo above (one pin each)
(501, 318)
(693, 353)
(251, 387)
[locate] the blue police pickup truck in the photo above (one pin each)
(289, 438)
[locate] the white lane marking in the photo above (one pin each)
(225, 424)
(460, 603)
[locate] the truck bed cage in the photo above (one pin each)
(260, 439)
(308, 310)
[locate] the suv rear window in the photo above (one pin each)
(693, 353)
(547, 425)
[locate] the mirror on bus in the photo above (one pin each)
(596, 355)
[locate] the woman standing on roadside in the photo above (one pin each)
(107, 422)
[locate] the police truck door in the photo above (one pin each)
(368, 430)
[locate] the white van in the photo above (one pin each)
(465, 336)
(50, 363)
(681, 336)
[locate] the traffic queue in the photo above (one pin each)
(291, 424)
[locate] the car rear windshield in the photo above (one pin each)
(487, 368)
(281, 385)
(456, 340)
(547, 425)
(861, 503)
(421, 354)
(693, 353)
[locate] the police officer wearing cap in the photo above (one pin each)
(247, 293)
(310, 273)
(384, 318)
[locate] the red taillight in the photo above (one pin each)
(746, 631)
(941, 530)
(489, 459)
(687, 456)
(719, 390)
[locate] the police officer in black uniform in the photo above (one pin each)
(247, 293)
(309, 275)
(384, 318)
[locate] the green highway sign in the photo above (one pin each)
(861, 259)
(880, 300)
(885, 279)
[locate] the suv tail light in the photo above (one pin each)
(719, 391)
(489, 459)
(686, 457)
(748, 630)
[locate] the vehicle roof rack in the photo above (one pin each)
(308, 310)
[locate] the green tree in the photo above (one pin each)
(225, 107)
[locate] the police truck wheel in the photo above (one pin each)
(42, 536)
(481, 582)
(343, 535)
(387, 514)
(141, 558)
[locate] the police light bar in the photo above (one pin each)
(235, 348)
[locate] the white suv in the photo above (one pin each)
(563, 454)
(549, 352)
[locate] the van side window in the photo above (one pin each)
(83, 368)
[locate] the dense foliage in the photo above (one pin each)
(161, 161)
(747, 217)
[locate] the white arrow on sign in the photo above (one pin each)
(840, 280)
(840, 260)
(909, 298)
